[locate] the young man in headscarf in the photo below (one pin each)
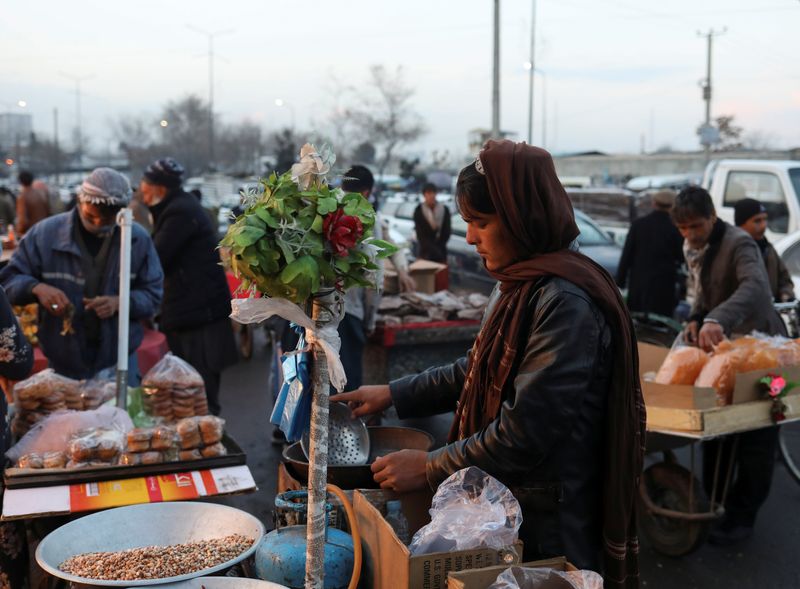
(69, 264)
(197, 301)
(548, 400)
(751, 216)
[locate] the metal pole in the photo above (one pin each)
(125, 222)
(56, 155)
(531, 73)
(496, 74)
(325, 312)
(78, 124)
(707, 93)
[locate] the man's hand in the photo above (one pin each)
(405, 282)
(104, 307)
(51, 298)
(690, 333)
(710, 335)
(401, 471)
(366, 400)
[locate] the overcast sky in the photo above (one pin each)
(614, 71)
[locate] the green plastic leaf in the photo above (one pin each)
(316, 226)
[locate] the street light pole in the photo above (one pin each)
(210, 35)
(531, 72)
(78, 80)
(496, 74)
(707, 84)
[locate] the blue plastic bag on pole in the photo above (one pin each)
(292, 410)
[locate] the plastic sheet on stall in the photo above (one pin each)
(55, 431)
(518, 577)
(470, 509)
(256, 310)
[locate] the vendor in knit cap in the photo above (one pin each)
(751, 215)
(197, 301)
(69, 264)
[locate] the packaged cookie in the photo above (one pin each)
(97, 391)
(73, 464)
(189, 433)
(213, 450)
(210, 428)
(32, 460)
(139, 439)
(193, 454)
(130, 459)
(54, 460)
(152, 457)
(164, 438)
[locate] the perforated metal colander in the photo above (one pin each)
(348, 439)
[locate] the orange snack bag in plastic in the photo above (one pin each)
(760, 359)
(682, 366)
(720, 373)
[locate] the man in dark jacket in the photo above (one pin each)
(432, 226)
(732, 296)
(650, 260)
(197, 302)
(751, 216)
(33, 205)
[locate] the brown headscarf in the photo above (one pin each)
(537, 213)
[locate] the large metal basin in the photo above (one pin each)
(221, 583)
(383, 440)
(152, 524)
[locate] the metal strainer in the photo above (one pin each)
(348, 438)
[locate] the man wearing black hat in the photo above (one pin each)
(650, 260)
(751, 215)
(197, 302)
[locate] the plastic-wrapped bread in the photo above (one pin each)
(213, 450)
(682, 366)
(164, 438)
(719, 373)
(189, 433)
(211, 428)
(759, 359)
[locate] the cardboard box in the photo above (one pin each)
(483, 578)
(430, 277)
(694, 409)
(388, 563)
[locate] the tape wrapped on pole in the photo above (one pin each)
(256, 310)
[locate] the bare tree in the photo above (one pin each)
(240, 146)
(186, 135)
(759, 141)
(384, 115)
(729, 134)
(136, 139)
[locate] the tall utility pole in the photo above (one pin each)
(496, 74)
(531, 72)
(78, 125)
(56, 155)
(210, 35)
(706, 86)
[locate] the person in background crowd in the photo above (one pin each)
(69, 264)
(53, 198)
(141, 214)
(751, 216)
(32, 204)
(650, 260)
(8, 207)
(732, 296)
(16, 363)
(197, 302)
(432, 226)
(548, 401)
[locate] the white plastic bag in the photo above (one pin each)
(543, 578)
(470, 510)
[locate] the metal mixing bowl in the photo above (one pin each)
(150, 524)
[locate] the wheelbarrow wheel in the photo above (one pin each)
(668, 485)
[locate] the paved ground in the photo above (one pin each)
(769, 559)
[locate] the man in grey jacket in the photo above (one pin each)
(732, 296)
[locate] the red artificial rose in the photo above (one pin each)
(342, 231)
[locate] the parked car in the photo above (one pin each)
(773, 182)
(788, 249)
(398, 211)
(466, 267)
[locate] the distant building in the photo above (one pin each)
(15, 128)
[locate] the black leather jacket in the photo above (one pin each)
(547, 442)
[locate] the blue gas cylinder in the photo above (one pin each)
(281, 557)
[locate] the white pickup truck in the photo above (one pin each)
(776, 183)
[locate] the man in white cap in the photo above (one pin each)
(69, 264)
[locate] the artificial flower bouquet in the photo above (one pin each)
(298, 236)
